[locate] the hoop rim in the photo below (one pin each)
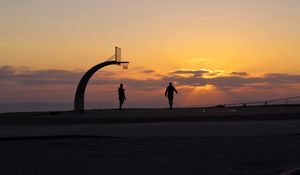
(122, 62)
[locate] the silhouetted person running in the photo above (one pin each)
(170, 92)
(122, 96)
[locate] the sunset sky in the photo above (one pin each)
(215, 51)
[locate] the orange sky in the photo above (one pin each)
(252, 36)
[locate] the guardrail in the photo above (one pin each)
(279, 101)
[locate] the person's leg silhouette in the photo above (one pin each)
(120, 104)
(171, 103)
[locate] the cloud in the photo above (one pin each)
(27, 77)
(233, 80)
(282, 78)
(200, 72)
(25, 84)
(241, 74)
(148, 71)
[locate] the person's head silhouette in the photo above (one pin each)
(121, 85)
(170, 84)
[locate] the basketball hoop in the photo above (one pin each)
(125, 65)
(117, 58)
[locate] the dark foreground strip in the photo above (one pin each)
(53, 137)
(155, 119)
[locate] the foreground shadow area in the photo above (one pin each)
(169, 155)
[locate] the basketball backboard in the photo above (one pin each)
(118, 54)
(117, 58)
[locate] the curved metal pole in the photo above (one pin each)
(79, 96)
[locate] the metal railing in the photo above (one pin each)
(279, 101)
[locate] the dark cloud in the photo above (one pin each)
(28, 77)
(241, 74)
(193, 72)
(282, 78)
(234, 81)
(148, 71)
(25, 76)
(6, 70)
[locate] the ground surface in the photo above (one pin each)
(245, 147)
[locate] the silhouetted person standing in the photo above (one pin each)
(170, 93)
(122, 96)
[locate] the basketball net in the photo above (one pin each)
(125, 65)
